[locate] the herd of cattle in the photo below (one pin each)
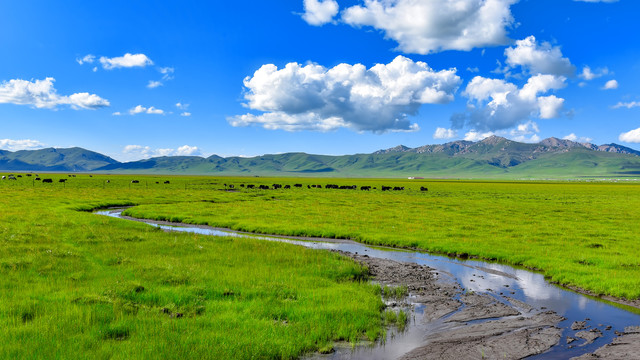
(249, 186)
(328, 186)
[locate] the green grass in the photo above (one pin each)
(578, 234)
(79, 285)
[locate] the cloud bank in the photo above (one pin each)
(312, 97)
(144, 110)
(319, 12)
(145, 152)
(42, 94)
(25, 144)
(496, 104)
(538, 58)
(424, 27)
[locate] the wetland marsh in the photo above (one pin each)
(109, 288)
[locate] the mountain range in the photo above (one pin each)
(493, 157)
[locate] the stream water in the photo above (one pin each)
(477, 276)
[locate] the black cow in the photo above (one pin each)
(385, 188)
(250, 186)
(37, 179)
(19, 175)
(135, 181)
(167, 182)
(422, 188)
(366, 188)
(47, 181)
(263, 187)
(287, 186)
(398, 188)
(277, 186)
(298, 185)
(62, 180)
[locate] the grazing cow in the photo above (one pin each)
(385, 188)
(135, 181)
(167, 182)
(62, 180)
(47, 181)
(309, 186)
(11, 177)
(4, 177)
(37, 179)
(398, 188)
(108, 181)
(90, 175)
(241, 185)
(19, 175)
(366, 188)
(250, 186)
(157, 182)
(28, 174)
(287, 186)
(277, 186)
(264, 187)
(331, 186)
(297, 185)
(422, 188)
(231, 186)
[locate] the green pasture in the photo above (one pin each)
(78, 285)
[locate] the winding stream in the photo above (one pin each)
(478, 276)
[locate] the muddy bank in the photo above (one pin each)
(467, 325)
(626, 346)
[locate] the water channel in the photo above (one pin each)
(477, 276)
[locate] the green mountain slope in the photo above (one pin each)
(51, 159)
(493, 157)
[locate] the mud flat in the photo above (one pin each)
(466, 324)
(626, 346)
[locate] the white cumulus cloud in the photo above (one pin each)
(588, 75)
(319, 12)
(154, 84)
(125, 61)
(87, 59)
(185, 113)
(497, 104)
(313, 97)
(474, 135)
(538, 58)
(136, 152)
(24, 144)
(442, 133)
(627, 105)
(144, 110)
(42, 94)
(423, 27)
(610, 85)
(576, 138)
(632, 136)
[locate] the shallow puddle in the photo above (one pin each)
(500, 281)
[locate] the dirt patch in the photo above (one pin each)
(458, 319)
(511, 338)
(626, 346)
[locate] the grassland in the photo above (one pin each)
(78, 285)
(577, 234)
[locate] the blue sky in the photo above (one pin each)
(136, 79)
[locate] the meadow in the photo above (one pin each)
(78, 285)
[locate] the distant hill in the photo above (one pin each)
(52, 159)
(493, 157)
